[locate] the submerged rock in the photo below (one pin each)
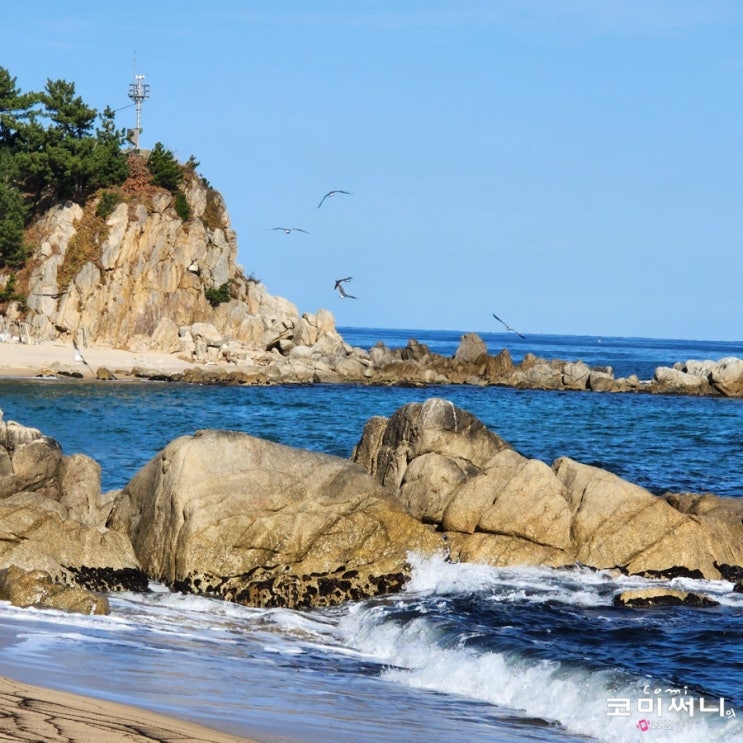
(651, 598)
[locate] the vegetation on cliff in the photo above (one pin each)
(50, 150)
(55, 148)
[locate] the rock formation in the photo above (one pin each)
(143, 277)
(229, 515)
(52, 513)
(497, 507)
(37, 588)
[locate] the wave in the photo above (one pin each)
(427, 646)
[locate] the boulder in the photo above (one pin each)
(619, 524)
(471, 348)
(52, 514)
(498, 507)
(226, 514)
(38, 589)
(576, 375)
(676, 380)
(34, 535)
(651, 598)
(726, 376)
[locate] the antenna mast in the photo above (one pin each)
(138, 91)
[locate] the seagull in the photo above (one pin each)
(287, 230)
(332, 193)
(341, 290)
(508, 327)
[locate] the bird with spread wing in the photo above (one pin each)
(330, 194)
(341, 291)
(508, 327)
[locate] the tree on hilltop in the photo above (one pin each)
(165, 170)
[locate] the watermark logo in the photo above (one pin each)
(680, 708)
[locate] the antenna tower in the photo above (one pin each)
(138, 91)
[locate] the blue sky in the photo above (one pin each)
(575, 167)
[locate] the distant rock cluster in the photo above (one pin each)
(231, 516)
(329, 362)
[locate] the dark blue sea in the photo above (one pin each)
(466, 652)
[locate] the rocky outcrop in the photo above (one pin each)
(143, 277)
(52, 514)
(498, 507)
(229, 515)
(651, 598)
(415, 365)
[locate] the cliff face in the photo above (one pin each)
(138, 278)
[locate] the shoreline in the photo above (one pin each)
(29, 360)
(34, 713)
(29, 712)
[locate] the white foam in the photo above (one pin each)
(574, 697)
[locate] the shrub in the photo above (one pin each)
(8, 294)
(182, 208)
(218, 296)
(108, 202)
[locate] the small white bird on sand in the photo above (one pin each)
(341, 291)
(330, 194)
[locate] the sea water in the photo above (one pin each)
(466, 652)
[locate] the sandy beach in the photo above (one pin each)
(30, 713)
(33, 359)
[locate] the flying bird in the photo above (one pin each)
(287, 230)
(332, 193)
(508, 327)
(341, 290)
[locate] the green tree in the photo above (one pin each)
(164, 168)
(69, 139)
(107, 165)
(12, 221)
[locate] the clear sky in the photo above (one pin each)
(575, 166)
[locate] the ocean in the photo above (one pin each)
(466, 652)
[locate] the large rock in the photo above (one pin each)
(38, 589)
(226, 514)
(52, 514)
(727, 376)
(28, 459)
(498, 507)
(35, 536)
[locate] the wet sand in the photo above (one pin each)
(31, 713)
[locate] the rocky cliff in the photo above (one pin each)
(134, 269)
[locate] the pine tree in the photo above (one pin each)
(12, 221)
(164, 168)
